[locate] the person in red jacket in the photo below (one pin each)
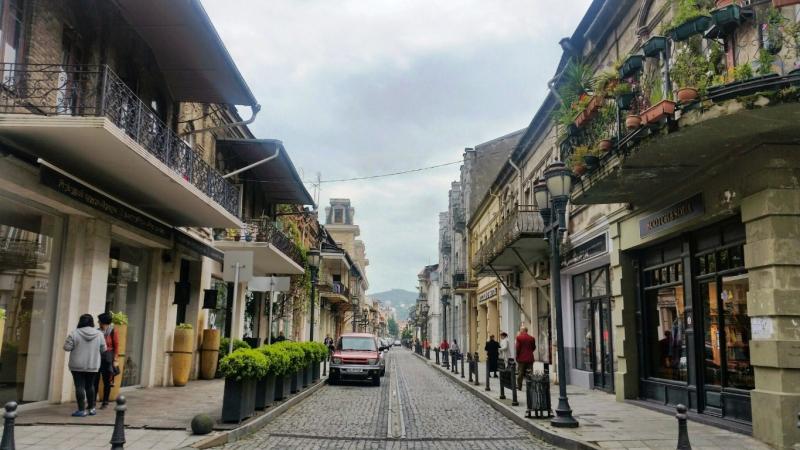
(526, 344)
(444, 345)
(108, 360)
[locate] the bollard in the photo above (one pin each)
(118, 438)
(683, 433)
(487, 377)
(475, 358)
(454, 359)
(461, 357)
(514, 401)
(428, 353)
(469, 364)
(325, 365)
(436, 351)
(445, 359)
(8, 427)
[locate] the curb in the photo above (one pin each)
(541, 433)
(259, 422)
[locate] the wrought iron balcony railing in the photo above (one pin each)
(95, 90)
(523, 220)
(262, 230)
(334, 287)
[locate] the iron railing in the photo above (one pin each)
(334, 287)
(95, 90)
(262, 230)
(459, 219)
(524, 220)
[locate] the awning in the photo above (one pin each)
(281, 182)
(195, 63)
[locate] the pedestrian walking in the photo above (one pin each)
(329, 344)
(455, 347)
(492, 349)
(525, 346)
(108, 359)
(85, 345)
(444, 346)
(504, 347)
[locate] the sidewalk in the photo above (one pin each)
(156, 418)
(606, 423)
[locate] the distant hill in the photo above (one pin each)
(395, 298)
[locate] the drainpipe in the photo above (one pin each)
(254, 108)
(519, 176)
(257, 163)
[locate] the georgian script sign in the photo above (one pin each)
(672, 215)
(487, 294)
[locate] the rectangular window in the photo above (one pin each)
(665, 336)
(338, 215)
(583, 336)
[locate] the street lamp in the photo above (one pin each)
(313, 264)
(551, 195)
(355, 285)
(445, 291)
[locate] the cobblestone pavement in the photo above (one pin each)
(436, 414)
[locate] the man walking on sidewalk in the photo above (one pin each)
(526, 344)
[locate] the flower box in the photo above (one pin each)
(782, 3)
(655, 46)
(688, 29)
(727, 16)
(591, 108)
(265, 392)
(238, 399)
(624, 101)
(592, 162)
(657, 112)
(632, 65)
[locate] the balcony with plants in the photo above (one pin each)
(275, 250)
(86, 120)
(516, 236)
(678, 106)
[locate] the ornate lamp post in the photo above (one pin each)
(425, 310)
(551, 195)
(445, 291)
(313, 265)
(355, 287)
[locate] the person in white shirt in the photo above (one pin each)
(504, 348)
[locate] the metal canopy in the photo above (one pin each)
(282, 184)
(190, 54)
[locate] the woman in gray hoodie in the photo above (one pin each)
(85, 345)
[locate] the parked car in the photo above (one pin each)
(357, 356)
(397, 343)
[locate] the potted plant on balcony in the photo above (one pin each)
(591, 159)
(277, 365)
(689, 71)
(576, 160)
(690, 18)
(624, 95)
(241, 369)
(661, 106)
(727, 15)
(655, 46)
(633, 65)
(182, 347)
(633, 121)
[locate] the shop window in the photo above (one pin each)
(29, 267)
(665, 322)
(217, 317)
(12, 16)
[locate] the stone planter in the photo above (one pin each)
(238, 400)
(265, 392)
(283, 386)
(307, 376)
(315, 371)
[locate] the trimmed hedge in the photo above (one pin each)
(237, 344)
(244, 363)
(279, 362)
(297, 357)
(279, 359)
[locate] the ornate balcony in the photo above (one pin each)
(461, 283)
(517, 236)
(274, 251)
(85, 119)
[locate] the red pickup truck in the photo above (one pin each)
(357, 356)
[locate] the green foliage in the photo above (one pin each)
(297, 357)
(622, 89)
(119, 318)
(407, 334)
(686, 10)
(765, 61)
(605, 82)
(394, 330)
(691, 68)
(574, 88)
(576, 159)
(244, 363)
(184, 326)
(278, 360)
(2, 314)
(743, 72)
(237, 344)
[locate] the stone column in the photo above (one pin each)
(493, 320)
(623, 319)
(481, 328)
(772, 258)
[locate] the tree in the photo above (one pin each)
(407, 334)
(394, 331)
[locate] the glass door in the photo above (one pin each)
(604, 357)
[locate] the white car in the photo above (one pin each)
(397, 343)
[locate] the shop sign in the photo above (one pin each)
(102, 202)
(671, 216)
(487, 294)
(189, 243)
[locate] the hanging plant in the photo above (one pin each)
(691, 17)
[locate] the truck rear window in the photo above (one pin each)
(357, 343)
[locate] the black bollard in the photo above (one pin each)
(683, 432)
(118, 438)
(487, 377)
(455, 362)
(325, 366)
(475, 358)
(514, 401)
(8, 427)
(469, 364)
(461, 356)
(436, 351)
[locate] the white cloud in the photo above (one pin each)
(373, 86)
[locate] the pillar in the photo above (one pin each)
(481, 328)
(493, 320)
(623, 319)
(772, 221)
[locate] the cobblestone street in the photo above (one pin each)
(430, 412)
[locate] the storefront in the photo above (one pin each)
(31, 239)
(694, 331)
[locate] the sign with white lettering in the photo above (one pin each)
(672, 215)
(487, 294)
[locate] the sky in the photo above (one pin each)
(361, 88)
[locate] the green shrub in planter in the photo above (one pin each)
(297, 357)
(244, 363)
(237, 344)
(241, 370)
(279, 361)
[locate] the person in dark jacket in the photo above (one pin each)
(108, 359)
(492, 348)
(85, 345)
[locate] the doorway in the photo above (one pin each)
(593, 348)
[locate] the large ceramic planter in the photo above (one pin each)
(315, 371)
(182, 356)
(689, 28)
(633, 122)
(658, 112)
(283, 386)
(687, 94)
(209, 354)
(655, 46)
(2, 332)
(265, 392)
(238, 400)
